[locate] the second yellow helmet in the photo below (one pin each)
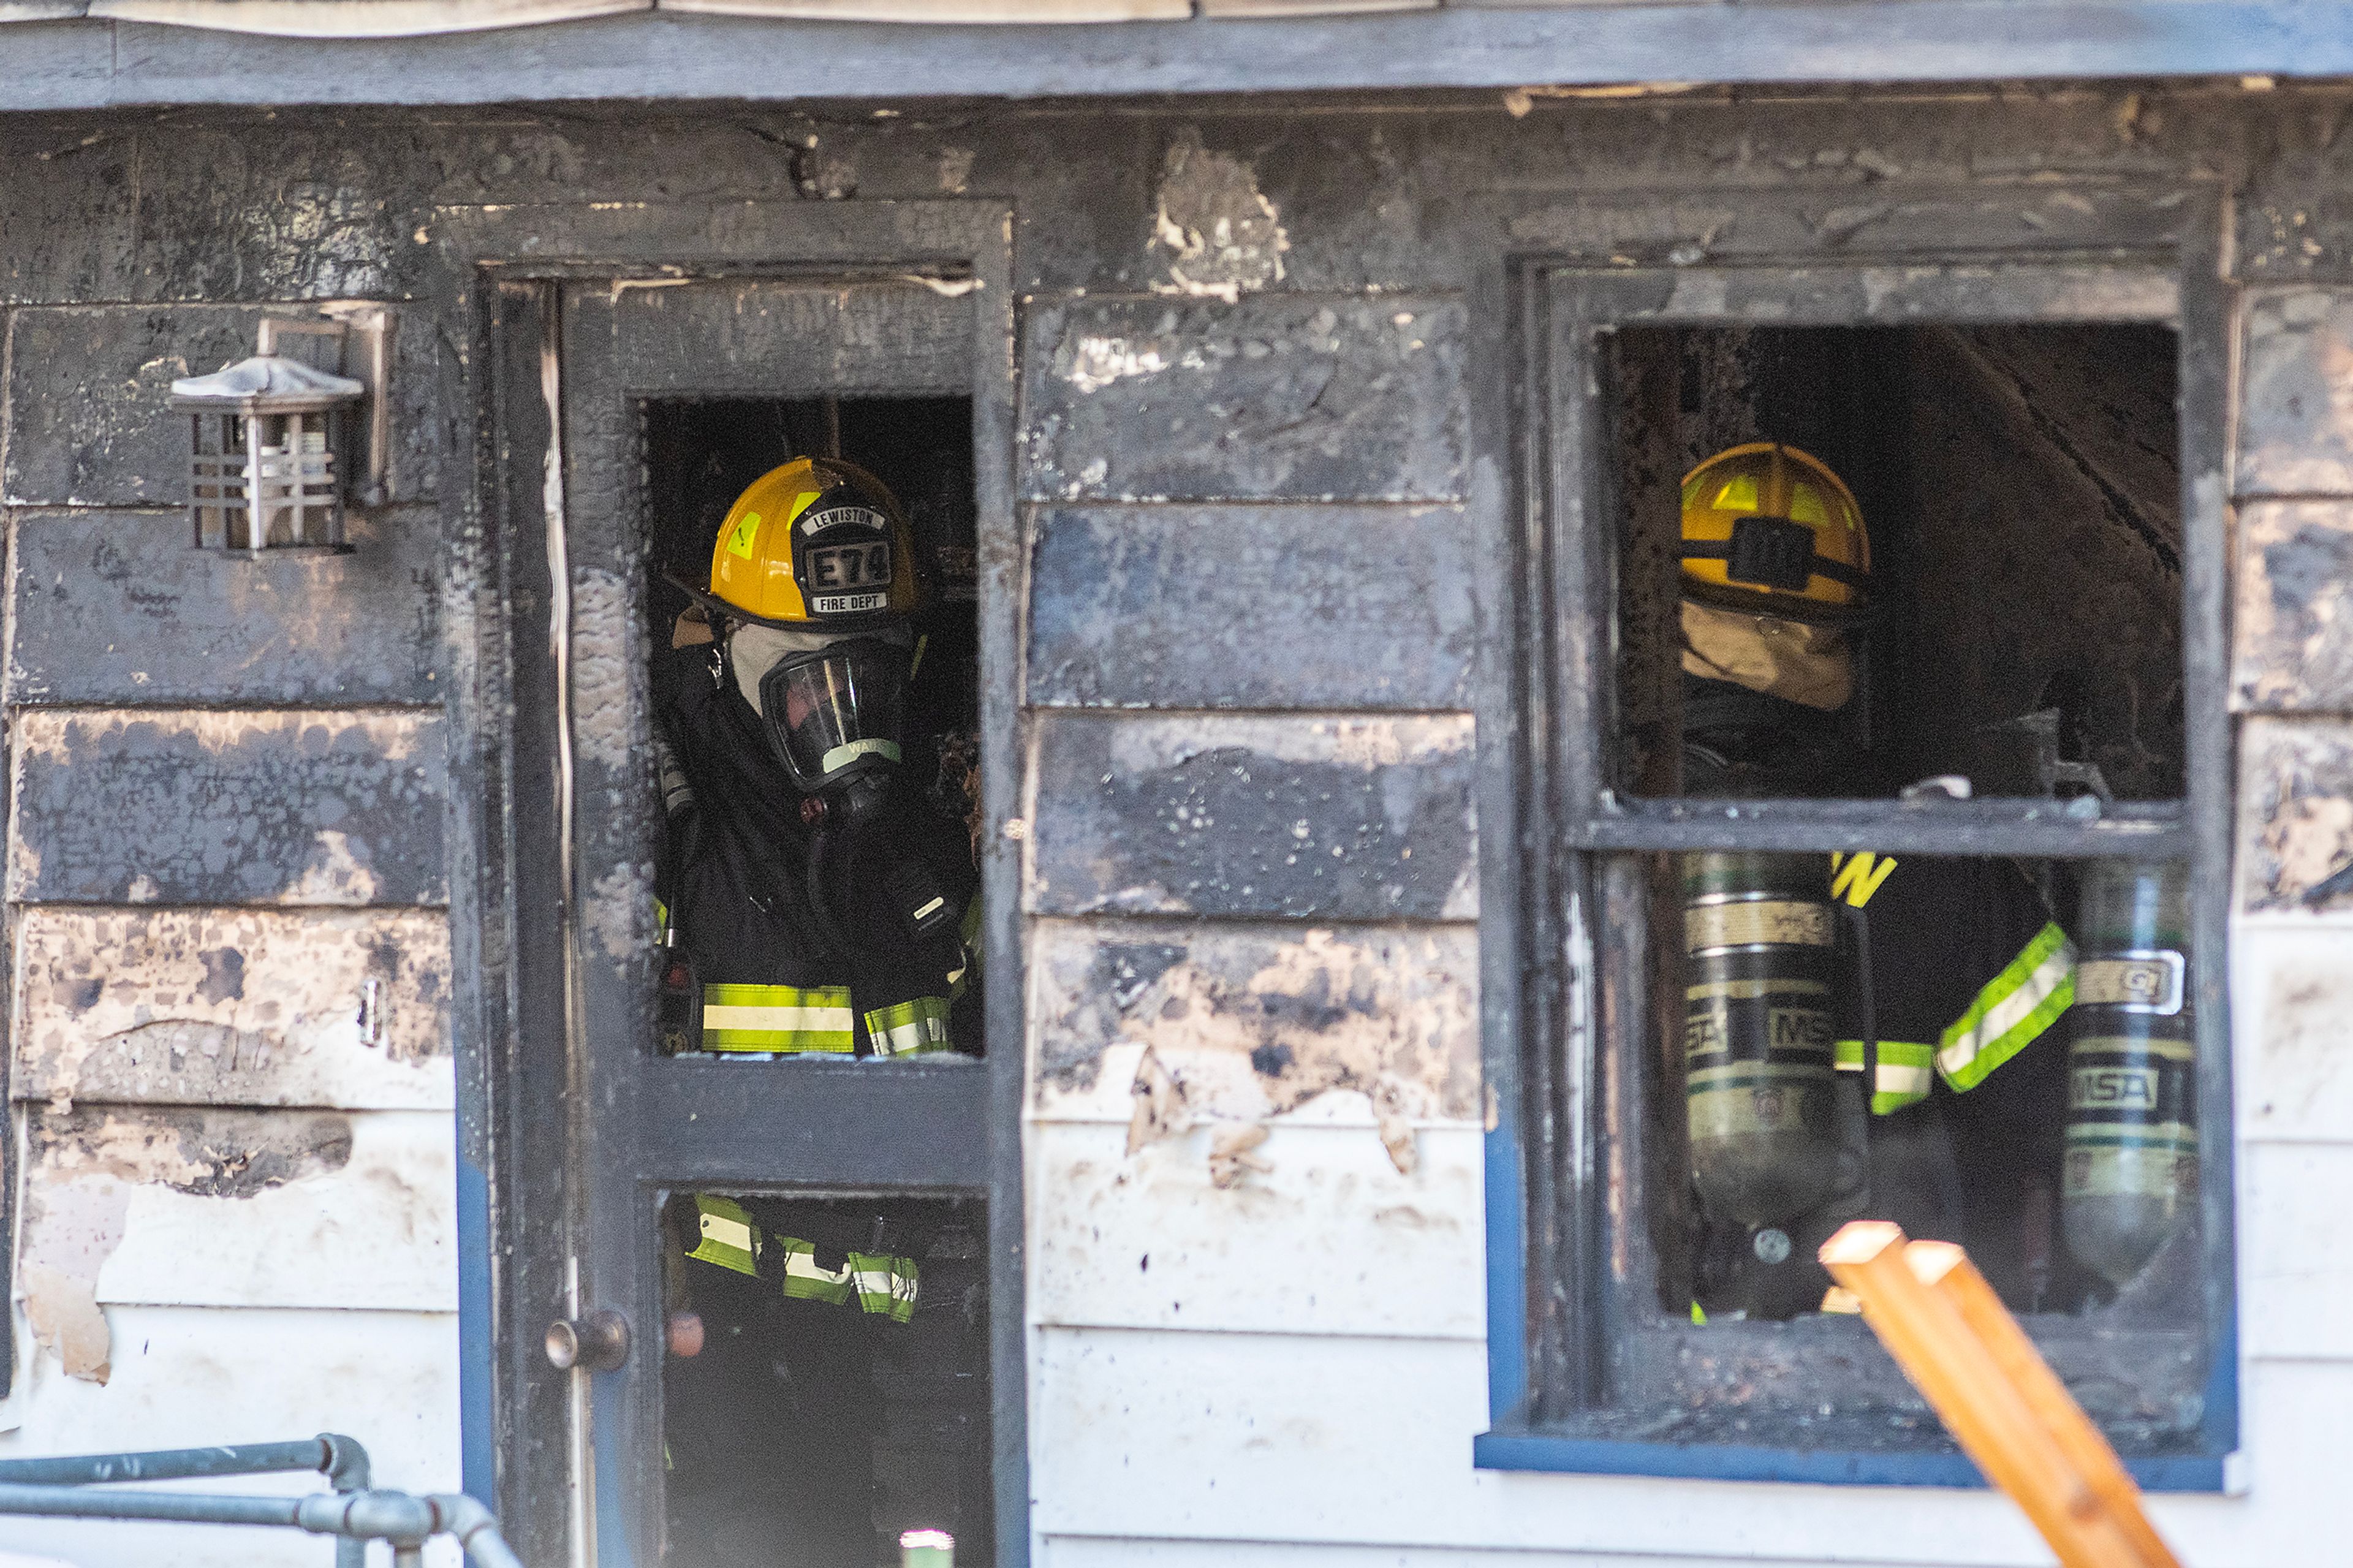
(1770, 529)
(817, 544)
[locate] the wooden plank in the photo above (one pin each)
(2292, 1008)
(1268, 396)
(2295, 399)
(194, 1375)
(179, 1206)
(257, 807)
(253, 1007)
(2295, 815)
(87, 388)
(2000, 1402)
(1290, 608)
(116, 608)
(2294, 629)
(1326, 1237)
(1333, 818)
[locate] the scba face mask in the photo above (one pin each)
(831, 704)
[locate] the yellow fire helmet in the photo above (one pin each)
(815, 544)
(1771, 530)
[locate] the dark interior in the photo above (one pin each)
(2021, 488)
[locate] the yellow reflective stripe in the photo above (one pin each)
(887, 1287)
(909, 1028)
(1906, 1068)
(2012, 1010)
(728, 1237)
(967, 932)
(738, 1017)
(804, 1279)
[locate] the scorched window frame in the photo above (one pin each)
(1573, 1314)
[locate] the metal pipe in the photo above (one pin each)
(354, 1517)
(189, 1507)
(183, 1463)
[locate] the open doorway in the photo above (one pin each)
(825, 1392)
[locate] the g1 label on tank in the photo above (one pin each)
(2145, 981)
(1762, 923)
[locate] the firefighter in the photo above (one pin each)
(812, 905)
(1936, 979)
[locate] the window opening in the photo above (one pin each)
(1918, 549)
(816, 696)
(1858, 570)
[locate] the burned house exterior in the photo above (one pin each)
(1292, 407)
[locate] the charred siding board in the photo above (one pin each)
(1255, 1020)
(2295, 815)
(257, 1007)
(1330, 819)
(200, 1207)
(2294, 621)
(772, 340)
(88, 387)
(1289, 608)
(117, 607)
(1275, 396)
(283, 806)
(2295, 419)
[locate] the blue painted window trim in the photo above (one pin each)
(1510, 1447)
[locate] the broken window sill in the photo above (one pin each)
(1569, 1451)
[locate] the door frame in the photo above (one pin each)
(518, 1030)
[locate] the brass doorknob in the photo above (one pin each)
(597, 1341)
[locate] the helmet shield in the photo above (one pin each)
(831, 706)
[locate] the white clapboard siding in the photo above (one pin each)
(233, 1007)
(1329, 1239)
(2295, 1255)
(2292, 1011)
(1109, 1552)
(380, 1232)
(1291, 1437)
(185, 1376)
(1272, 1438)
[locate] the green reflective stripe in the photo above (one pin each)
(909, 1028)
(738, 1018)
(887, 1287)
(1906, 1068)
(2011, 1012)
(728, 1237)
(804, 1279)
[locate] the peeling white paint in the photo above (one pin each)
(1223, 235)
(1099, 362)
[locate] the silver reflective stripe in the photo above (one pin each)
(792, 1019)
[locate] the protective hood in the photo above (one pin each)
(1794, 660)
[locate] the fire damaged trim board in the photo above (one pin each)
(115, 54)
(1583, 1369)
(573, 345)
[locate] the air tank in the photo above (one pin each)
(1760, 1089)
(2132, 1120)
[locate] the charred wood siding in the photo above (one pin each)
(228, 877)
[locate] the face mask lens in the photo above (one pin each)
(836, 711)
